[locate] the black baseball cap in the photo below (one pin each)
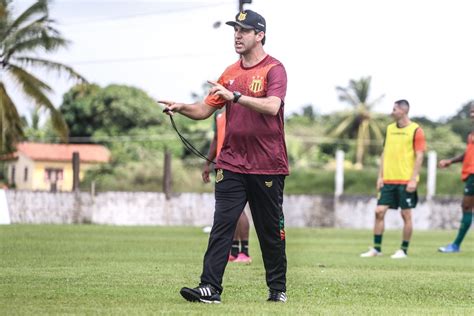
(249, 19)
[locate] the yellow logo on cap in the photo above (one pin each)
(242, 16)
(256, 85)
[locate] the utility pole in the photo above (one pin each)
(75, 171)
(167, 182)
(241, 4)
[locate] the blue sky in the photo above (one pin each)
(418, 50)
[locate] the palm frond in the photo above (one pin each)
(10, 121)
(362, 139)
(32, 29)
(39, 7)
(50, 65)
(27, 80)
(21, 37)
(346, 96)
(376, 130)
(43, 41)
(35, 89)
(377, 100)
(342, 126)
(361, 88)
(59, 124)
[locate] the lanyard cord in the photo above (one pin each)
(187, 144)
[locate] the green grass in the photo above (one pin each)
(47, 269)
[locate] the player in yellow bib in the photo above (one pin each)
(401, 161)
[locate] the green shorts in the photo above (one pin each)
(396, 196)
(469, 186)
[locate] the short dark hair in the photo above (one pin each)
(403, 102)
(264, 37)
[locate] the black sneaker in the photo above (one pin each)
(276, 296)
(202, 293)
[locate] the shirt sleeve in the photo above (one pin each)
(216, 100)
(277, 82)
(420, 142)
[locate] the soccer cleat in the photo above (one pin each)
(451, 248)
(371, 253)
(399, 254)
(232, 258)
(243, 258)
(276, 296)
(203, 293)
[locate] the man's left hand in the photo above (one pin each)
(220, 90)
(411, 186)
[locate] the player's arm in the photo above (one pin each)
(447, 162)
(419, 147)
(413, 183)
(195, 111)
(267, 105)
(380, 176)
(210, 157)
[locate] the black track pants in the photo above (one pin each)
(265, 196)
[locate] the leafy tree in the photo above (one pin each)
(21, 39)
(34, 130)
(128, 121)
(360, 123)
(424, 121)
(114, 111)
(461, 123)
(443, 141)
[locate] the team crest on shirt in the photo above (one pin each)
(257, 84)
(219, 175)
(242, 16)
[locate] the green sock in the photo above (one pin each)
(466, 222)
(404, 246)
(244, 247)
(234, 252)
(378, 243)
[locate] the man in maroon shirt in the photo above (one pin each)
(253, 162)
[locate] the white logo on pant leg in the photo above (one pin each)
(408, 201)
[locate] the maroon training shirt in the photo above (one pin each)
(254, 143)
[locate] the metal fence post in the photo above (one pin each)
(339, 173)
(431, 177)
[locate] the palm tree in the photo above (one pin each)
(22, 38)
(358, 123)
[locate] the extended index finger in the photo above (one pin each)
(213, 83)
(165, 102)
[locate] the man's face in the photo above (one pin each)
(398, 112)
(244, 39)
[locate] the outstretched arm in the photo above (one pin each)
(447, 162)
(195, 111)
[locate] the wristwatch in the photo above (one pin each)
(237, 96)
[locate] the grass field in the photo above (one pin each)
(47, 269)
